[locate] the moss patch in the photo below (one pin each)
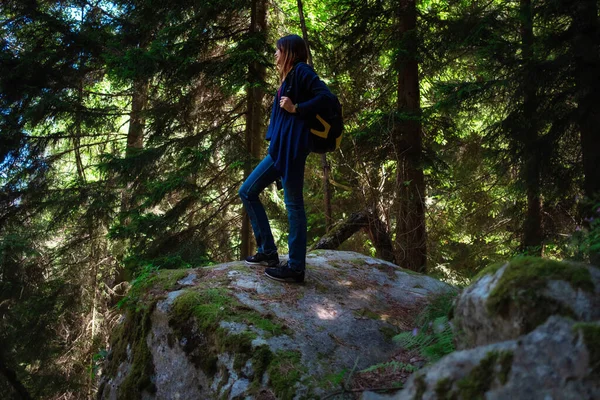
(496, 364)
(489, 270)
(261, 359)
(210, 306)
(420, 387)
(196, 316)
(443, 389)
(505, 360)
(494, 367)
(133, 332)
(150, 285)
(285, 370)
(523, 282)
(591, 337)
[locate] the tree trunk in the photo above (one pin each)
(587, 64)
(255, 113)
(343, 231)
(135, 143)
(135, 134)
(532, 226)
(78, 133)
(304, 31)
(137, 122)
(364, 219)
(79, 114)
(324, 162)
(380, 237)
(410, 215)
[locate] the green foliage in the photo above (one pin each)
(32, 309)
(393, 365)
(432, 342)
(335, 379)
(585, 241)
(433, 337)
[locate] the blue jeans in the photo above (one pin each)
(263, 175)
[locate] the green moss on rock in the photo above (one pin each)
(496, 364)
(443, 389)
(591, 337)
(148, 286)
(285, 370)
(197, 315)
(489, 270)
(505, 360)
(420, 387)
(261, 359)
(132, 333)
(523, 282)
(210, 306)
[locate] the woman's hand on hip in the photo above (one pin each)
(287, 104)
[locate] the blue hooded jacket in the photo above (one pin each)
(289, 132)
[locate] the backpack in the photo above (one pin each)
(326, 126)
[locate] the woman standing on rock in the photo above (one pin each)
(300, 95)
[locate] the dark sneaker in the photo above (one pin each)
(283, 273)
(270, 260)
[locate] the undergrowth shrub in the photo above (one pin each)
(432, 337)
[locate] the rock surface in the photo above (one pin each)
(513, 298)
(229, 332)
(558, 360)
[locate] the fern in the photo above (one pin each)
(433, 338)
(393, 365)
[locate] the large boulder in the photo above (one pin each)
(228, 332)
(558, 360)
(513, 298)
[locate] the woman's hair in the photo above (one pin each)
(293, 49)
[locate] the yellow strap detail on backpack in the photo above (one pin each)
(324, 132)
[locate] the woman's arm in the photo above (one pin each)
(308, 81)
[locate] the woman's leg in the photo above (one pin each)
(294, 203)
(263, 175)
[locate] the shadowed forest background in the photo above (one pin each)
(127, 128)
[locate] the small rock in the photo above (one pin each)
(188, 280)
